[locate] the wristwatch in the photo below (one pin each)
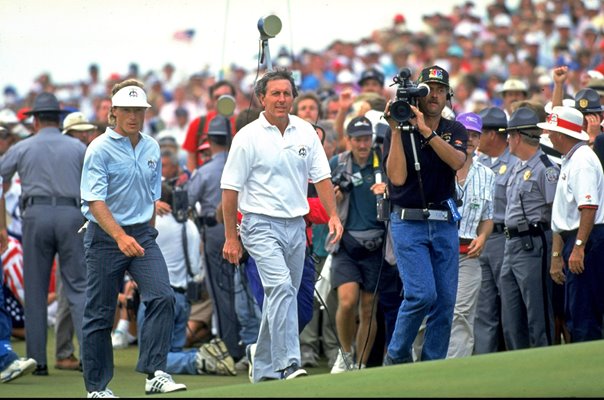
(430, 137)
(578, 243)
(556, 254)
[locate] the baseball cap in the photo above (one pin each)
(8, 116)
(359, 126)
(434, 74)
(371, 73)
(130, 96)
(77, 121)
(471, 121)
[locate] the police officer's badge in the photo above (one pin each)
(527, 175)
(551, 174)
(502, 169)
(583, 103)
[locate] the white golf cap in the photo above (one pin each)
(566, 120)
(130, 96)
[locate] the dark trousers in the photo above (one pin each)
(585, 292)
(106, 268)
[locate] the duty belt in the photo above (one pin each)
(416, 214)
(498, 228)
(535, 229)
(52, 201)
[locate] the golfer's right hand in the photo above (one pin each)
(232, 251)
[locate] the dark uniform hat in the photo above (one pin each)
(493, 118)
(359, 126)
(588, 101)
(46, 103)
(218, 126)
(372, 73)
(524, 118)
(434, 74)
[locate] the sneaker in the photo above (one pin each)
(309, 359)
(17, 368)
(225, 364)
(162, 383)
(344, 362)
(243, 364)
(250, 351)
(205, 360)
(101, 394)
(293, 371)
(70, 363)
(119, 339)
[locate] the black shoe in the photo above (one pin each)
(41, 370)
(293, 371)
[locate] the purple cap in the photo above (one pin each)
(471, 121)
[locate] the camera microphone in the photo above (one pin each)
(423, 90)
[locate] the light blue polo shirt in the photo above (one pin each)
(127, 179)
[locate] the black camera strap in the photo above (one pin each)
(417, 166)
(185, 248)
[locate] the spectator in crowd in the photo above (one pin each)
(512, 90)
(198, 128)
(119, 188)
(275, 221)
(77, 125)
(423, 238)
(51, 220)
(476, 183)
(308, 107)
(11, 365)
(372, 81)
(578, 225)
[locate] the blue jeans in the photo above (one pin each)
(427, 254)
(180, 361)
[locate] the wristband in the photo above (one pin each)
(432, 136)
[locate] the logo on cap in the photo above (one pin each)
(435, 73)
(583, 103)
(133, 93)
(553, 119)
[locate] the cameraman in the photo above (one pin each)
(356, 264)
(424, 233)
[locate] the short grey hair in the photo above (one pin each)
(278, 74)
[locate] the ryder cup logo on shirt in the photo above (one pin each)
(152, 163)
(302, 151)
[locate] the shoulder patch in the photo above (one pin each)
(551, 174)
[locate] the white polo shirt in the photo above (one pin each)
(271, 171)
(581, 183)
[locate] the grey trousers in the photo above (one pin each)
(48, 230)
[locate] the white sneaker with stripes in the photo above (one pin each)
(162, 383)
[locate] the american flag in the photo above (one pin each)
(184, 35)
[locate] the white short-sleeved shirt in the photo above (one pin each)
(581, 184)
(271, 171)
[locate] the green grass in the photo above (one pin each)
(573, 370)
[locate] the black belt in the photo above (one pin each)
(416, 214)
(534, 230)
(179, 290)
(498, 228)
(464, 241)
(209, 221)
(52, 201)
